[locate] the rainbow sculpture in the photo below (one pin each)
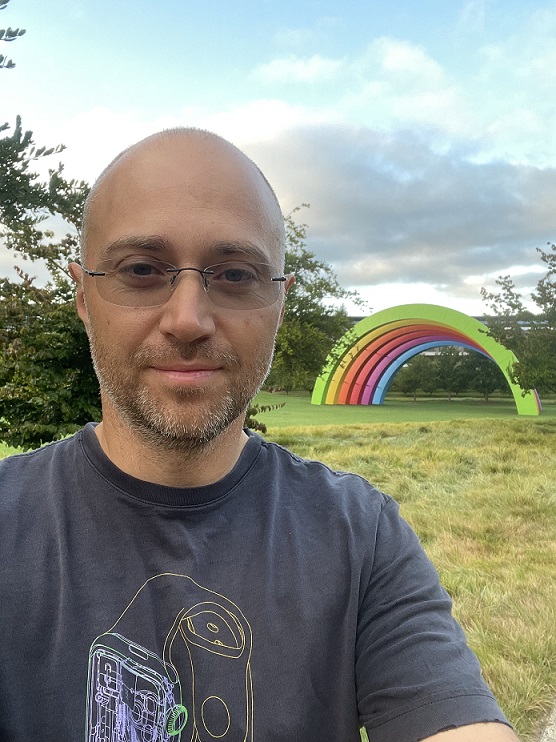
(363, 363)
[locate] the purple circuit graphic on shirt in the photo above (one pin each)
(175, 667)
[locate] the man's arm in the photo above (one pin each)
(488, 732)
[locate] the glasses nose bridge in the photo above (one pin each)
(176, 272)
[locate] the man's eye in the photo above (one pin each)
(142, 274)
(137, 269)
(141, 269)
(234, 274)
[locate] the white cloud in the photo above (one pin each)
(395, 84)
(96, 135)
(314, 69)
(401, 63)
(260, 120)
(417, 178)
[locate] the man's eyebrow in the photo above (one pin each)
(243, 248)
(154, 243)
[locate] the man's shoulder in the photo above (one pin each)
(312, 476)
(37, 466)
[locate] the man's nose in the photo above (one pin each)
(189, 313)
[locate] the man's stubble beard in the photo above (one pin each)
(186, 423)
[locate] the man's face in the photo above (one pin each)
(179, 374)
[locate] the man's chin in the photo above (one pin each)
(164, 426)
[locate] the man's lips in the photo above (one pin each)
(179, 368)
(186, 372)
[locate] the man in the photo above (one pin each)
(167, 575)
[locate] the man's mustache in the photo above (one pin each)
(203, 350)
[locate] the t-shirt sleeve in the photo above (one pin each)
(415, 673)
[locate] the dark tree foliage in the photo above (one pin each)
(483, 375)
(415, 375)
(531, 336)
(47, 385)
(312, 322)
(7, 35)
(450, 370)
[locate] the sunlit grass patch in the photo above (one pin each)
(6, 450)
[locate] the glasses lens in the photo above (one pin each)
(237, 285)
(135, 282)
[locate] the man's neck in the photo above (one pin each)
(142, 459)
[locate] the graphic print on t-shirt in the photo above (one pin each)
(175, 667)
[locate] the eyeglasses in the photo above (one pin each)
(145, 282)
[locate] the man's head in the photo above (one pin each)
(180, 368)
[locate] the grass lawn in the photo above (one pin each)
(298, 410)
(476, 482)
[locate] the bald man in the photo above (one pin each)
(168, 575)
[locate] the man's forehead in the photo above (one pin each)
(207, 169)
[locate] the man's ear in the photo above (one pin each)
(289, 282)
(76, 272)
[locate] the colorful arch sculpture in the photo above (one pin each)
(363, 363)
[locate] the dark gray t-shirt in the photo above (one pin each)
(284, 603)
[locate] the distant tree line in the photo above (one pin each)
(450, 371)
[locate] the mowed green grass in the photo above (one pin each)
(298, 410)
(481, 496)
(480, 493)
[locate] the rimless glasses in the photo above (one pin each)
(145, 282)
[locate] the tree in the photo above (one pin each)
(532, 337)
(8, 34)
(312, 322)
(414, 375)
(47, 385)
(483, 374)
(450, 370)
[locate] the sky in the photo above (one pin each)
(421, 134)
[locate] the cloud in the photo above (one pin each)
(389, 208)
(312, 69)
(396, 84)
(96, 135)
(401, 61)
(261, 120)
(419, 181)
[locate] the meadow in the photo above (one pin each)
(477, 483)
